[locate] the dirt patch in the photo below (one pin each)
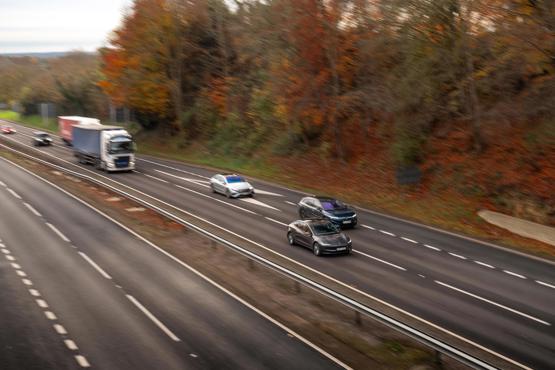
(359, 341)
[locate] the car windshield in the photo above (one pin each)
(42, 136)
(324, 228)
(121, 145)
(234, 179)
(331, 204)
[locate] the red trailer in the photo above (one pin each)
(66, 123)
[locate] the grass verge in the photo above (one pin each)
(36, 121)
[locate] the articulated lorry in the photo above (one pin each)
(108, 148)
(66, 123)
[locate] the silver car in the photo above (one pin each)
(231, 185)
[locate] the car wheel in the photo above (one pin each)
(316, 249)
(212, 187)
(228, 193)
(301, 213)
(290, 238)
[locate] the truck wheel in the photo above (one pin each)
(97, 164)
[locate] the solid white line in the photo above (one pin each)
(60, 329)
(217, 200)
(82, 360)
(514, 274)
(398, 309)
(34, 292)
(291, 203)
(27, 282)
(484, 264)
(93, 264)
(15, 265)
(493, 303)
(58, 232)
(50, 315)
(387, 233)
(21, 273)
(545, 284)
(13, 193)
(457, 256)
(155, 178)
(409, 240)
(42, 303)
(431, 247)
(2, 184)
(276, 221)
(71, 345)
(158, 323)
(368, 227)
(30, 207)
(380, 260)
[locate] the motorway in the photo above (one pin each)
(495, 301)
(80, 291)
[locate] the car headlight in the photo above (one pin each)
(110, 164)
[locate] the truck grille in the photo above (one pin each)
(122, 162)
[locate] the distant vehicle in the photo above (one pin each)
(108, 148)
(8, 130)
(41, 139)
(328, 208)
(321, 236)
(66, 123)
(231, 185)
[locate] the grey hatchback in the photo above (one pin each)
(321, 236)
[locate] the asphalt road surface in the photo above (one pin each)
(80, 291)
(497, 300)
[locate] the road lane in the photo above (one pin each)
(117, 322)
(413, 290)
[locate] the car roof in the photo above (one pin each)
(40, 132)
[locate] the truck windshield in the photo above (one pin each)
(121, 145)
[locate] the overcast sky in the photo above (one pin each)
(57, 25)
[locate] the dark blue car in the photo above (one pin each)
(327, 208)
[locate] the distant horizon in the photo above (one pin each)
(35, 26)
(54, 53)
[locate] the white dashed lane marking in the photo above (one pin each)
(81, 360)
(10, 258)
(409, 240)
(21, 273)
(493, 303)
(514, 274)
(2, 184)
(27, 282)
(32, 209)
(15, 265)
(545, 284)
(387, 233)
(13, 193)
(71, 345)
(153, 318)
(58, 232)
(50, 315)
(60, 329)
(368, 227)
(34, 292)
(155, 178)
(380, 260)
(42, 303)
(276, 221)
(484, 264)
(291, 203)
(93, 264)
(457, 256)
